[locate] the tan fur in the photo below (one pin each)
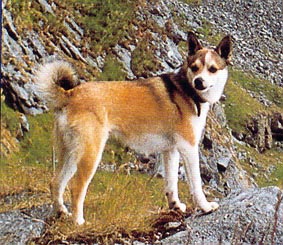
(128, 106)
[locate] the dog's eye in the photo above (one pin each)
(212, 69)
(194, 68)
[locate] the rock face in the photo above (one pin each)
(264, 131)
(254, 216)
(23, 51)
(20, 226)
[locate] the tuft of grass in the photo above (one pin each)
(36, 146)
(26, 13)
(277, 175)
(9, 117)
(209, 33)
(23, 186)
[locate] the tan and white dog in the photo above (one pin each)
(164, 114)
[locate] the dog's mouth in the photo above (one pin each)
(203, 89)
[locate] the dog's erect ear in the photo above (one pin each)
(224, 48)
(193, 43)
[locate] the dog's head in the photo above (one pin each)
(207, 68)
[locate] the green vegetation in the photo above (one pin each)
(272, 92)
(240, 106)
(36, 145)
(112, 71)
(143, 59)
(266, 167)
(210, 33)
(107, 22)
(9, 117)
(193, 2)
(26, 13)
(277, 174)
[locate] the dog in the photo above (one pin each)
(164, 114)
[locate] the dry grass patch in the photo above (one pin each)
(116, 205)
(23, 186)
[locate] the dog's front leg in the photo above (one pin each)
(171, 164)
(190, 155)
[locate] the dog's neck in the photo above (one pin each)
(190, 92)
(184, 88)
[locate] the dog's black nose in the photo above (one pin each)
(199, 84)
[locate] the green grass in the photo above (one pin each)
(260, 169)
(209, 33)
(272, 92)
(36, 147)
(112, 71)
(143, 59)
(9, 117)
(25, 12)
(277, 176)
(193, 2)
(240, 107)
(106, 22)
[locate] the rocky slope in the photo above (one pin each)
(156, 45)
(249, 217)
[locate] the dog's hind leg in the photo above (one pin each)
(68, 156)
(171, 164)
(93, 140)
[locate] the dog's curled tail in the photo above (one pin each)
(52, 82)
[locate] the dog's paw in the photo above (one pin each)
(178, 206)
(79, 220)
(210, 207)
(61, 211)
(182, 207)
